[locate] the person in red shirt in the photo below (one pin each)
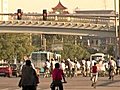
(94, 71)
(94, 68)
(57, 76)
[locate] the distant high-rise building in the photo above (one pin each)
(4, 9)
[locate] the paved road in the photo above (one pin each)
(76, 83)
(84, 83)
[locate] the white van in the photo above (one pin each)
(101, 64)
(98, 56)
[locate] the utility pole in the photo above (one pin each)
(4, 9)
(116, 32)
(119, 28)
(105, 4)
(44, 43)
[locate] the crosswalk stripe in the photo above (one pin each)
(5, 89)
(47, 89)
(38, 89)
(11, 89)
(21, 89)
(18, 89)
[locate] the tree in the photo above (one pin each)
(72, 51)
(14, 46)
(110, 50)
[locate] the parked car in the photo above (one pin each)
(5, 70)
(15, 69)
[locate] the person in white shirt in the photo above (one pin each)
(112, 66)
(78, 65)
(118, 66)
(48, 64)
(52, 64)
(93, 61)
(72, 67)
(88, 66)
(83, 62)
(83, 67)
(62, 66)
(47, 68)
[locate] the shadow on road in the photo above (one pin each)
(107, 83)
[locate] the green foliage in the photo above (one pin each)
(69, 48)
(72, 51)
(110, 50)
(14, 46)
(17, 45)
(36, 40)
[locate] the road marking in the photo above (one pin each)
(47, 89)
(11, 89)
(19, 89)
(5, 89)
(38, 88)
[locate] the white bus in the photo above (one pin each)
(57, 56)
(38, 58)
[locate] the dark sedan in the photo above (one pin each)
(15, 69)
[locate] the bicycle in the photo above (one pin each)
(112, 73)
(94, 81)
(57, 87)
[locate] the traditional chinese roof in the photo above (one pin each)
(59, 7)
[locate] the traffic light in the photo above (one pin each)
(19, 14)
(44, 14)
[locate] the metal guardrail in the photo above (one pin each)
(83, 18)
(55, 24)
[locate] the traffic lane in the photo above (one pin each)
(76, 83)
(12, 83)
(84, 83)
(9, 82)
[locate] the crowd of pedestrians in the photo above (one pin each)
(76, 67)
(58, 70)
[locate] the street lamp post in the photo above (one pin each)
(116, 31)
(119, 28)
